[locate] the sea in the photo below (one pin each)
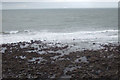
(80, 26)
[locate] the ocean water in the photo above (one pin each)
(72, 26)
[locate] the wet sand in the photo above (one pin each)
(40, 60)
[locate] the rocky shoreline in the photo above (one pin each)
(39, 60)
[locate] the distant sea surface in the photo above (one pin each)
(61, 25)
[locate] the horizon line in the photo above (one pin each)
(63, 8)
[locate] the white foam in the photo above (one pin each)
(2, 50)
(38, 60)
(24, 46)
(81, 59)
(22, 57)
(13, 32)
(105, 35)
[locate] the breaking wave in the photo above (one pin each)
(27, 35)
(15, 32)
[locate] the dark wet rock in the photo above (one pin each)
(73, 39)
(94, 43)
(19, 62)
(32, 41)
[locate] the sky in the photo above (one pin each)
(41, 4)
(59, 0)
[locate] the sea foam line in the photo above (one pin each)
(44, 35)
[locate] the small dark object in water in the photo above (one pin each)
(31, 41)
(93, 43)
(73, 39)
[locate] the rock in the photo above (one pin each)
(94, 43)
(73, 39)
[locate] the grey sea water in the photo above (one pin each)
(60, 20)
(84, 25)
